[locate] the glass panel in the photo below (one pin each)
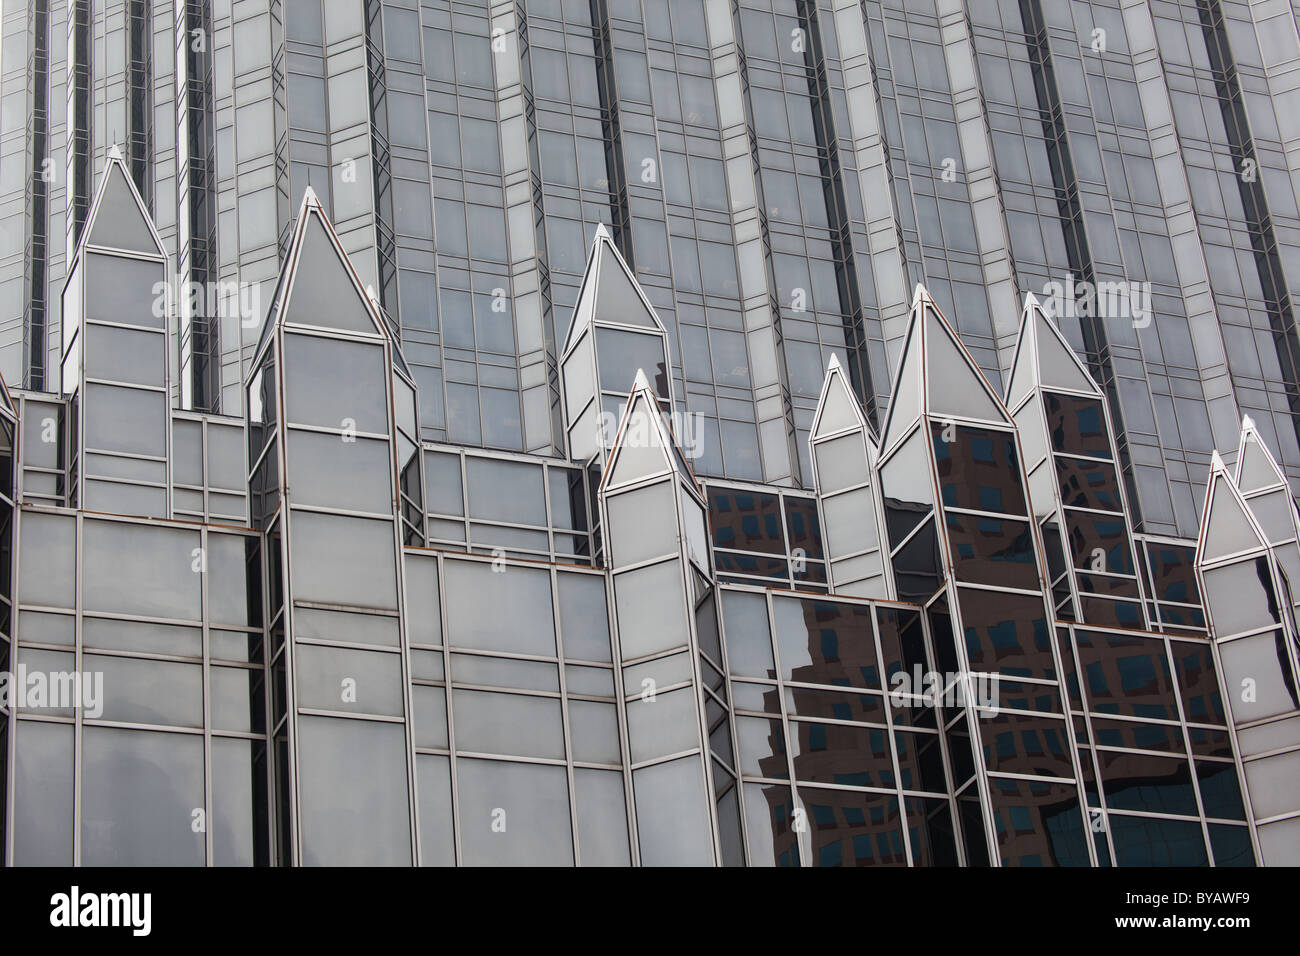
(956, 387)
(602, 818)
(745, 520)
(1256, 469)
(1147, 841)
(353, 792)
(1257, 677)
(148, 692)
(640, 451)
(769, 815)
(124, 291)
(139, 793)
(908, 496)
(429, 716)
(238, 802)
(1007, 633)
(1038, 823)
(506, 611)
(621, 354)
(342, 560)
(513, 814)
(1088, 484)
(119, 222)
(979, 469)
(825, 642)
(642, 524)
(617, 298)
(594, 732)
(671, 814)
(651, 609)
(324, 293)
(507, 724)
(1077, 426)
(141, 569)
(749, 645)
(1240, 597)
(838, 410)
(317, 393)
(42, 794)
(501, 490)
(47, 543)
(1056, 364)
(124, 355)
(337, 678)
(666, 724)
(930, 831)
(803, 526)
(1025, 744)
(584, 620)
(329, 472)
(850, 523)
(226, 467)
(437, 844)
(125, 420)
(344, 627)
(1231, 845)
(1126, 676)
(1198, 682)
(854, 829)
(905, 402)
(442, 484)
(992, 551)
(842, 754)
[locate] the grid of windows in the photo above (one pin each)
(369, 531)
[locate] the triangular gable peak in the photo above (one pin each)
(838, 408)
(1227, 525)
(1044, 359)
(645, 445)
(609, 294)
(1257, 469)
(937, 376)
(330, 294)
(118, 218)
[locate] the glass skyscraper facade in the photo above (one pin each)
(660, 432)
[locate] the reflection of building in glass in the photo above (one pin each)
(334, 443)
(329, 640)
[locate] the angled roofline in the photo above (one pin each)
(115, 159)
(589, 277)
(310, 206)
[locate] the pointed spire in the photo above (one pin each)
(118, 217)
(937, 375)
(1257, 469)
(610, 293)
(319, 285)
(1227, 525)
(1044, 359)
(838, 408)
(645, 445)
